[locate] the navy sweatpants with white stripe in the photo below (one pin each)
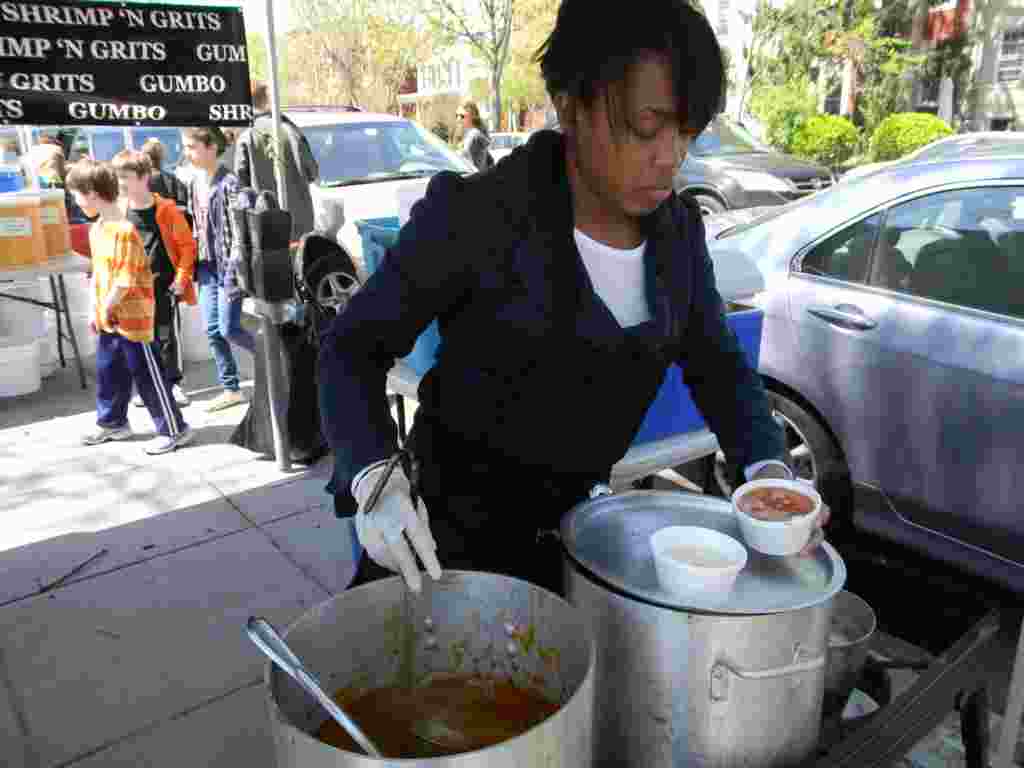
(119, 362)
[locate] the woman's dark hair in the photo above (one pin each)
(594, 44)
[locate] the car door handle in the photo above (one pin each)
(843, 314)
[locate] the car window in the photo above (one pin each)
(722, 138)
(169, 137)
(107, 142)
(845, 255)
(350, 153)
(963, 247)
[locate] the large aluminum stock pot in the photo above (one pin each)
(380, 634)
(722, 685)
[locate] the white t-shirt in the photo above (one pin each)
(618, 278)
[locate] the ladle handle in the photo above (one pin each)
(267, 640)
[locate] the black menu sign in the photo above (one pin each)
(86, 63)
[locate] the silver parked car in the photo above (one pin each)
(952, 148)
(893, 350)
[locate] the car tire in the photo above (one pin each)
(709, 205)
(813, 455)
(332, 279)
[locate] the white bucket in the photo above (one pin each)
(407, 195)
(83, 336)
(76, 286)
(195, 345)
(19, 367)
(19, 320)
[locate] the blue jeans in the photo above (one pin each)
(223, 318)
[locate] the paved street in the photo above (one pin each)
(139, 659)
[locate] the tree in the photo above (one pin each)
(259, 61)
(486, 26)
(523, 85)
(356, 51)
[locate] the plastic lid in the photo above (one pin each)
(608, 538)
(22, 198)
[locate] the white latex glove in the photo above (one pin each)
(393, 525)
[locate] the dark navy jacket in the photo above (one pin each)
(533, 369)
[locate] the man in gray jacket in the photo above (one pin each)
(254, 164)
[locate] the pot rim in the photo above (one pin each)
(586, 686)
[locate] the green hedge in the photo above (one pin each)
(901, 134)
(783, 109)
(826, 139)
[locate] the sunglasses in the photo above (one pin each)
(460, 115)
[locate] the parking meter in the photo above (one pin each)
(270, 233)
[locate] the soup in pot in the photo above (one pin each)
(447, 716)
(774, 504)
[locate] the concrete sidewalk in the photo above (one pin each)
(140, 659)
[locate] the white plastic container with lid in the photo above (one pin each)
(76, 287)
(53, 215)
(20, 320)
(407, 195)
(19, 367)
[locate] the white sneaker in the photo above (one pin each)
(137, 400)
(167, 443)
(106, 434)
(179, 396)
(227, 399)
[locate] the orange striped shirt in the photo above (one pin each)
(119, 261)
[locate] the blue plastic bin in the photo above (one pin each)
(673, 411)
(377, 236)
(11, 179)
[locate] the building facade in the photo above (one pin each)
(447, 76)
(996, 99)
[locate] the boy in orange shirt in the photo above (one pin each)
(171, 251)
(122, 316)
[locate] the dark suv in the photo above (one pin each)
(728, 168)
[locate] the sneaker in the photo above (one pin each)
(137, 400)
(227, 399)
(179, 396)
(167, 443)
(106, 434)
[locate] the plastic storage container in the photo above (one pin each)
(673, 411)
(54, 217)
(11, 178)
(19, 367)
(195, 344)
(19, 320)
(378, 235)
(22, 243)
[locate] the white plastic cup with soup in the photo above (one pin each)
(777, 517)
(693, 561)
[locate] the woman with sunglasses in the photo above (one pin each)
(475, 140)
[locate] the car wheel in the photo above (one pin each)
(709, 205)
(332, 281)
(813, 454)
